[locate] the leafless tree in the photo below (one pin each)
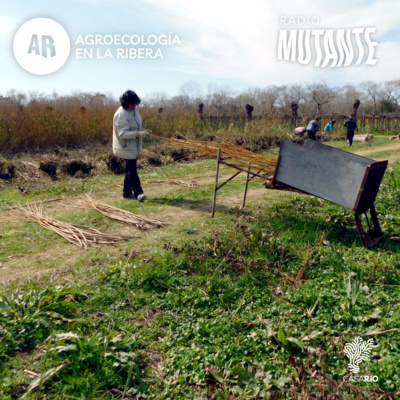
(344, 100)
(372, 89)
(18, 98)
(269, 98)
(191, 91)
(395, 92)
(156, 99)
(220, 99)
(321, 94)
(389, 95)
(263, 100)
(289, 94)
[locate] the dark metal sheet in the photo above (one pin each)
(324, 171)
(320, 147)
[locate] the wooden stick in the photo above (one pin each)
(216, 184)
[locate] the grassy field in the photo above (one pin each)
(256, 303)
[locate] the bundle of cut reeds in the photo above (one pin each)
(78, 236)
(177, 182)
(240, 157)
(140, 222)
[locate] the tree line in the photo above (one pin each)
(220, 100)
(314, 98)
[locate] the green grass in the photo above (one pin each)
(375, 143)
(256, 303)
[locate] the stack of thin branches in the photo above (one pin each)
(241, 157)
(77, 236)
(140, 222)
(177, 182)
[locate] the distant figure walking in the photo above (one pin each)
(313, 128)
(351, 125)
(329, 127)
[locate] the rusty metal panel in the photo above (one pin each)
(370, 187)
(330, 173)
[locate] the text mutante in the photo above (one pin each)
(327, 47)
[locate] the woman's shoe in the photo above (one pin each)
(141, 196)
(130, 197)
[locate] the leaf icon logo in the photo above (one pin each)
(358, 351)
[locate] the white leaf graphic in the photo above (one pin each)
(357, 352)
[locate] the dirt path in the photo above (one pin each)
(394, 145)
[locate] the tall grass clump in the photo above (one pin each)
(70, 123)
(39, 127)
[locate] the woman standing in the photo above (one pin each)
(128, 142)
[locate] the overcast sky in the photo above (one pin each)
(221, 43)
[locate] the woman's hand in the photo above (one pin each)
(144, 133)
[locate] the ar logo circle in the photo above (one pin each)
(41, 46)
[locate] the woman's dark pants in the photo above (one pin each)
(131, 181)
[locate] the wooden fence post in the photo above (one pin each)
(249, 111)
(295, 107)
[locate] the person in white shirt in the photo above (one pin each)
(128, 142)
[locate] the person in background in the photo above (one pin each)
(351, 125)
(128, 142)
(313, 128)
(329, 127)
(300, 131)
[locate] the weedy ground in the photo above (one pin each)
(258, 302)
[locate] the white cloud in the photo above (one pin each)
(234, 41)
(238, 40)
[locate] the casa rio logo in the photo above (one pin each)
(41, 46)
(358, 351)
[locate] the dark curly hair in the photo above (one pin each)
(129, 97)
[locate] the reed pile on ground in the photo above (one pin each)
(77, 236)
(140, 222)
(240, 156)
(177, 182)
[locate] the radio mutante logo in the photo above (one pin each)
(41, 46)
(325, 47)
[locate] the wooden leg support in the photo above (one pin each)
(246, 187)
(240, 169)
(216, 184)
(374, 237)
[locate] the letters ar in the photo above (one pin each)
(45, 49)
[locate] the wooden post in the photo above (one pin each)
(245, 189)
(356, 104)
(216, 184)
(295, 107)
(249, 111)
(200, 110)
